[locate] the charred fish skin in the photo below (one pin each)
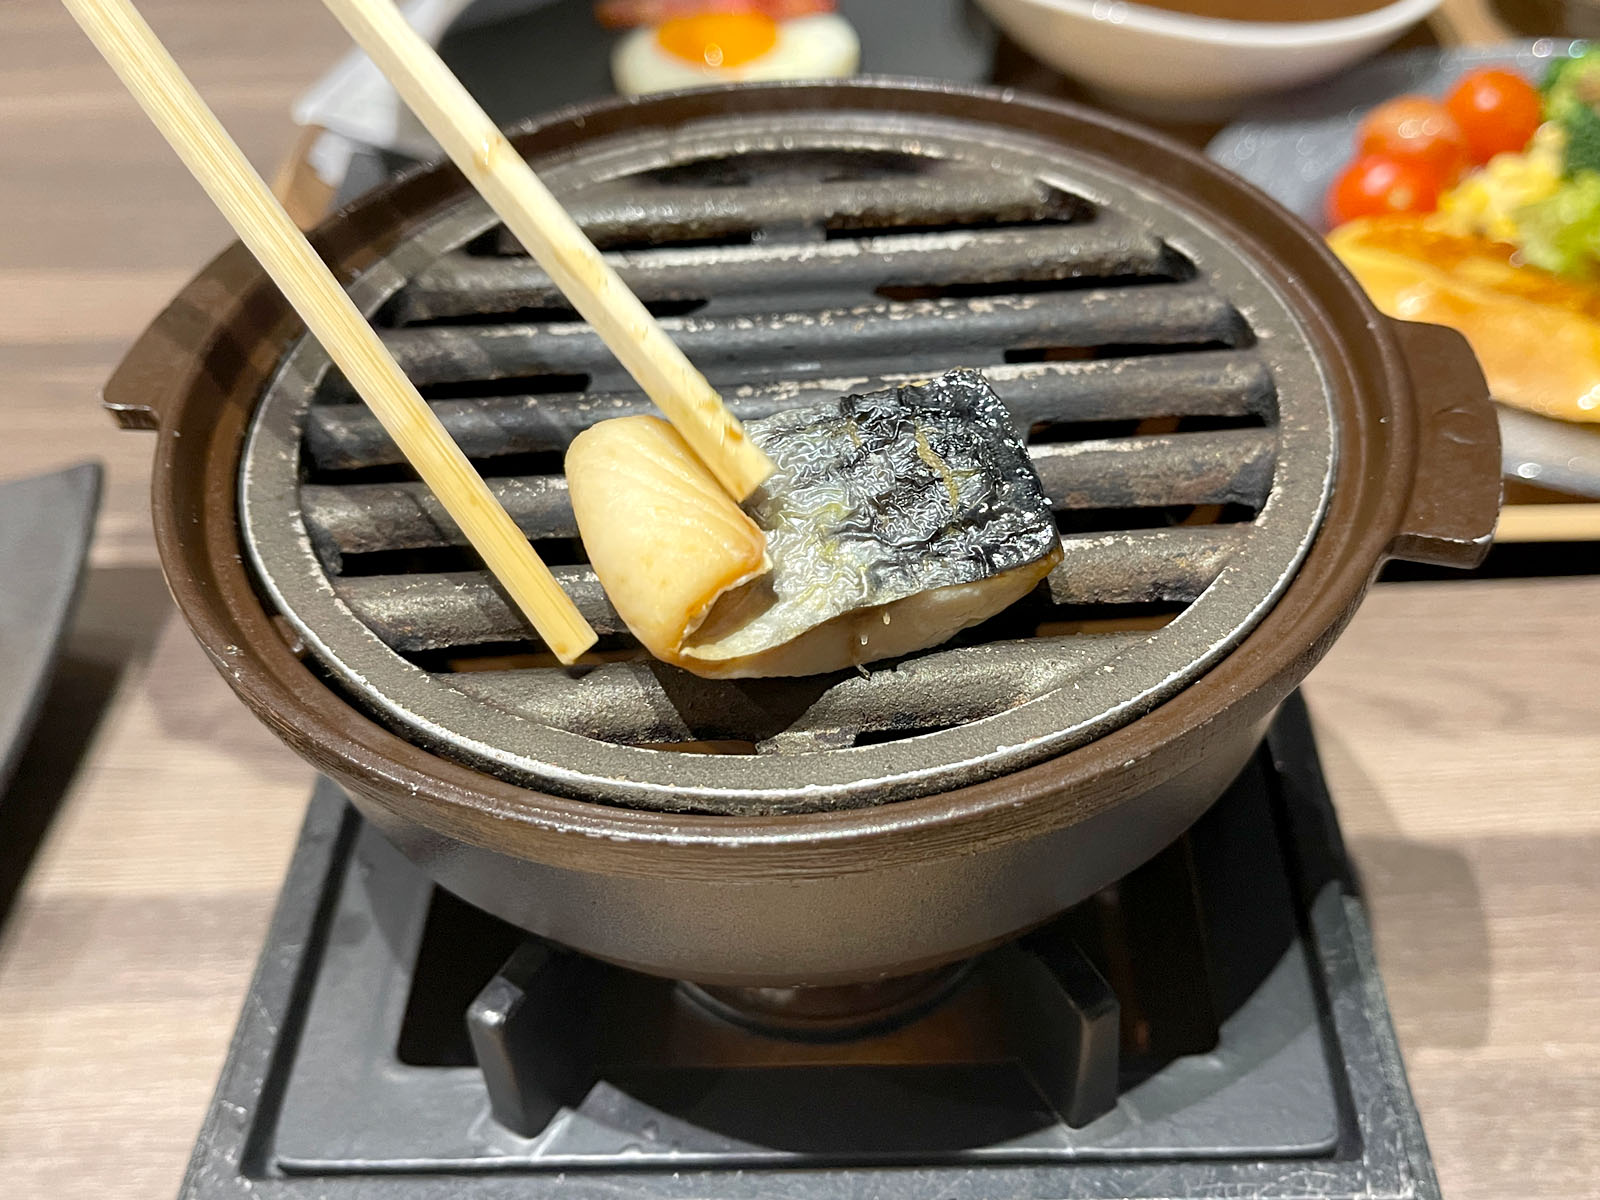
(883, 496)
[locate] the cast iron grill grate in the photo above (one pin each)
(1176, 416)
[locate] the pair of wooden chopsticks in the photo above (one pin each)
(528, 209)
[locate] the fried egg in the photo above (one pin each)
(731, 47)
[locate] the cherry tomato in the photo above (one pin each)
(1496, 110)
(1418, 128)
(1382, 183)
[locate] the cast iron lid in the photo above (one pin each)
(1177, 410)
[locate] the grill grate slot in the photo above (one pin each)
(626, 215)
(640, 703)
(1219, 467)
(1224, 466)
(344, 437)
(830, 164)
(465, 285)
(1145, 566)
(448, 609)
(933, 333)
(368, 518)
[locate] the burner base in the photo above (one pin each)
(829, 1014)
(341, 1085)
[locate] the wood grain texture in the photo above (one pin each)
(1458, 721)
(1458, 726)
(125, 955)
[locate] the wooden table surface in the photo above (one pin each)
(1460, 722)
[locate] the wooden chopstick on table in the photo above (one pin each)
(166, 95)
(492, 165)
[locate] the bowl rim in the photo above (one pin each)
(1223, 31)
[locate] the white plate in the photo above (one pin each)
(1294, 146)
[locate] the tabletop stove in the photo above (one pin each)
(1212, 1025)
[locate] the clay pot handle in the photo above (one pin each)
(189, 336)
(1455, 500)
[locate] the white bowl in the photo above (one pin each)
(1168, 64)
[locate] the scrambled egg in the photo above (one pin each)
(1487, 200)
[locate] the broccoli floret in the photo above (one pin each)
(1558, 68)
(1561, 233)
(1582, 127)
(1572, 100)
(1571, 80)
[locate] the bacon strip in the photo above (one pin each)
(624, 14)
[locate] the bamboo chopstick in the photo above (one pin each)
(494, 167)
(170, 100)
(1576, 522)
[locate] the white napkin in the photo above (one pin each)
(356, 105)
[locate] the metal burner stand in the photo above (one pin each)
(283, 1090)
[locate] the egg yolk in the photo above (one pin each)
(718, 39)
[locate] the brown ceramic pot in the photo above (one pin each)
(840, 896)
